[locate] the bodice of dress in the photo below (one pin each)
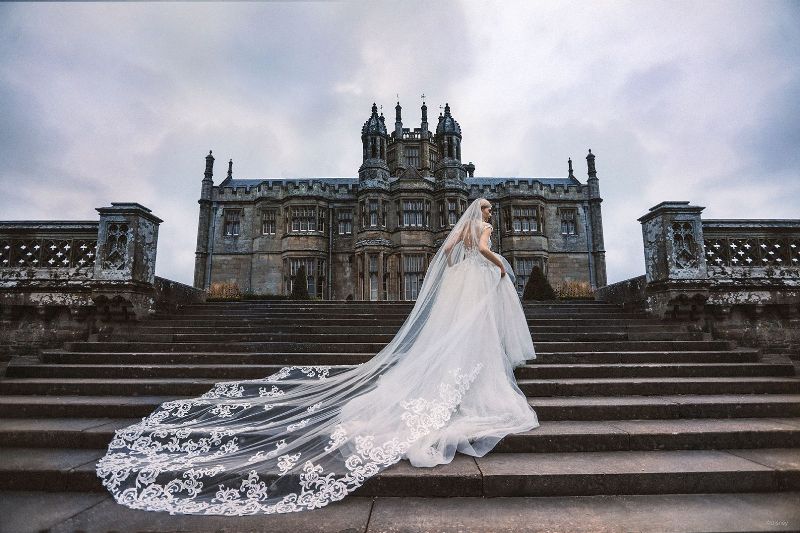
(474, 254)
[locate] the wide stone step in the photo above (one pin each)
(666, 406)
(550, 436)
(339, 314)
(146, 329)
(540, 387)
(374, 347)
(402, 308)
(403, 304)
(319, 358)
(552, 408)
(531, 371)
(565, 370)
(659, 386)
(386, 322)
(58, 512)
(495, 475)
(342, 337)
(268, 347)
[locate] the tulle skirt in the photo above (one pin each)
(477, 331)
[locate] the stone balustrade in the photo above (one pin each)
(752, 248)
(739, 279)
(60, 279)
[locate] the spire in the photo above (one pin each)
(569, 163)
(230, 170)
(398, 121)
(590, 164)
(209, 174)
(424, 115)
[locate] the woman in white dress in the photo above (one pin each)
(307, 436)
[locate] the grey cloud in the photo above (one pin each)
(120, 102)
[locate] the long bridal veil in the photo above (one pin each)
(309, 435)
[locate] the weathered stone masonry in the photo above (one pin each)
(370, 237)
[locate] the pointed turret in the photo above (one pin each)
(448, 141)
(374, 139)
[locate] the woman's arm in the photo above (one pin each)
(483, 247)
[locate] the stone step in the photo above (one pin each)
(553, 408)
(377, 304)
(531, 371)
(58, 512)
(550, 436)
(566, 370)
(386, 322)
(390, 330)
(374, 306)
(342, 337)
(666, 406)
(374, 347)
(495, 475)
(319, 358)
(659, 386)
(531, 387)
(339, 315)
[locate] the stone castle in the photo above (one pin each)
(370, 237)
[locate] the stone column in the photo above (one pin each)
(673, 242)
(126, 243)
(125, 266)
(675, 264)
(204, 225)
(380, 275)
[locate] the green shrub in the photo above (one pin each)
(300, 285)
(537, 287)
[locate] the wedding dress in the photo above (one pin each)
(310, 435)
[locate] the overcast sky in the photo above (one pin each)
(679, 100)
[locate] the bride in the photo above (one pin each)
(310, 435)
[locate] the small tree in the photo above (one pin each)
(300, 285)
(537, 287)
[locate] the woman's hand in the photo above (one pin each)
(502, 271)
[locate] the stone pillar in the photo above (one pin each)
(203, 225)
(126, 243)
(380, 275)
(675, 264)
(673, 242)
(595, 222)
(125, 266)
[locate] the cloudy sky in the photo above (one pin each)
(679, 100)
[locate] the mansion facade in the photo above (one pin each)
(371, 237)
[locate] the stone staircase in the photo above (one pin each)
(641, 420)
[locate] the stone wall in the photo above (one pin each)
(630, 293)
(567, 267)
